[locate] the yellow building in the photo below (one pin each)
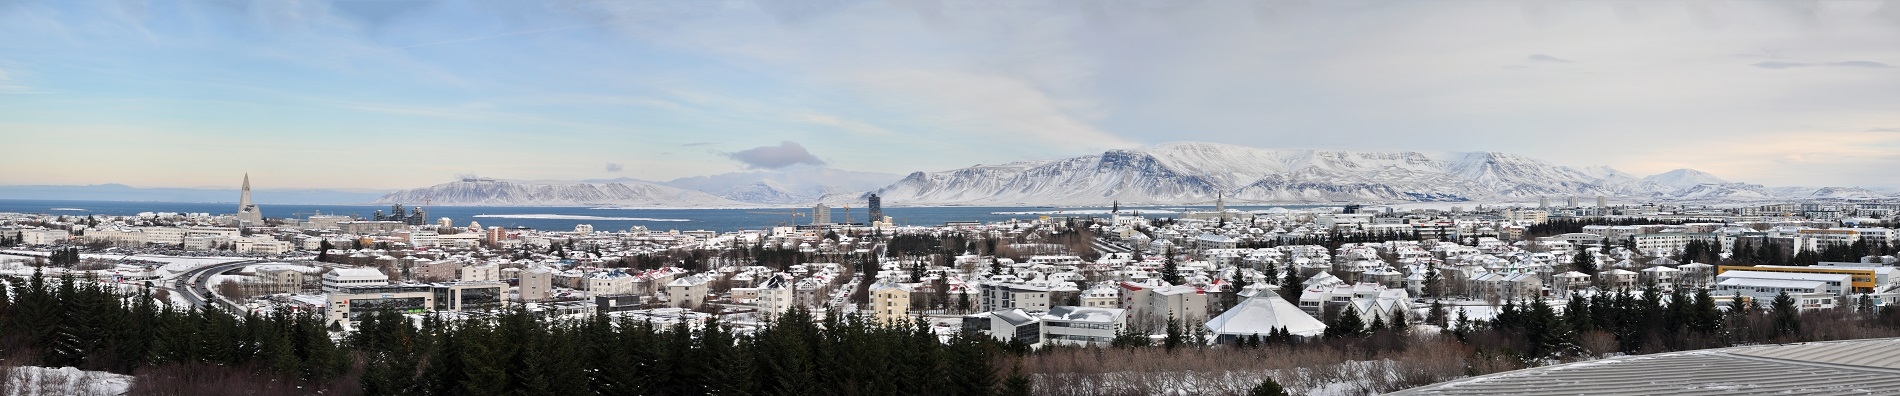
(890, 302)
(1864, 279)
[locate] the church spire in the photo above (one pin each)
(247, 211)
(244, 197)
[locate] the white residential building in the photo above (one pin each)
(339, 278)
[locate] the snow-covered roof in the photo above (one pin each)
(1802, 276)
(1776, 283)
(1261, 315)
(1084, 314)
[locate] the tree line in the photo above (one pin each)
(96, 326)
(1653, 320)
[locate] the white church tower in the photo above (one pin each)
(247, 211)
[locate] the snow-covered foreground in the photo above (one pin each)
(1350, 378)
(33, 381)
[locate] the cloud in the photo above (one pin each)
(697, 144)
(1791, 65)
(1882, 130)
(785, 154)
(8, 86)
(614, 168)
(1546, 58)
(1866, 64)
(853, 126)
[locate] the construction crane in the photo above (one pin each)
(793, 215)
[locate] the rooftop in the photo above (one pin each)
(1837, 367)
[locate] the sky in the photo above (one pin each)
(400, 94)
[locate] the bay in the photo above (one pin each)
(562, 218)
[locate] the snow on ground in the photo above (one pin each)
(29, 380)
(176, 265)
(178, 299)
(252, 269)
(215, 280)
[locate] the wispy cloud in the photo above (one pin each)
(614, 168)
(503, 35)
(852, 126)
(1850, 64)
(1882, 130)
(1546, 58)
(9, 86)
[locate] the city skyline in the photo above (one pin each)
(402, 94)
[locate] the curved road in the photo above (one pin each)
(193, 282)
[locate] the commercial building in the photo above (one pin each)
(279, 280)
(1863, 278)
(346, 303)
(340, 278)
(1011, 325)
(1082, 326)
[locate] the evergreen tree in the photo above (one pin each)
(1584, 263)
(323, 251)
(1706, 318)
(1436, 316)
(1399, 321)
(1175, 336)
(1787, 321)
(1290, 287)
(1170, 272)
(1347, 325)
(1267, 387)
(1577, 314)
(1017, 384)
(1546, 332)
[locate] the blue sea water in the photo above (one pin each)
(557, 218)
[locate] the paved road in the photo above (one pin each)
(193, 284)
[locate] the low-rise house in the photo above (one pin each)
(687, 291)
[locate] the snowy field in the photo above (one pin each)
(171, 266)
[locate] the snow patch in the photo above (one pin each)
(31, 380)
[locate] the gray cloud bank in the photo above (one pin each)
(786, 153)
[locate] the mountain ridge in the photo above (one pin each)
(1164, 174)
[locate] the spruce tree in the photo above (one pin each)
(1175, 337)
(1787, 321)
(1584, 263)
(323, 250)
(1170, 272)
(1017, 384)
(1348, 324)
(1290, 287)
(1267, 387)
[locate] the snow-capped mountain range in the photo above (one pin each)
(1166, 174)
(491, 192)
(1197, 173)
